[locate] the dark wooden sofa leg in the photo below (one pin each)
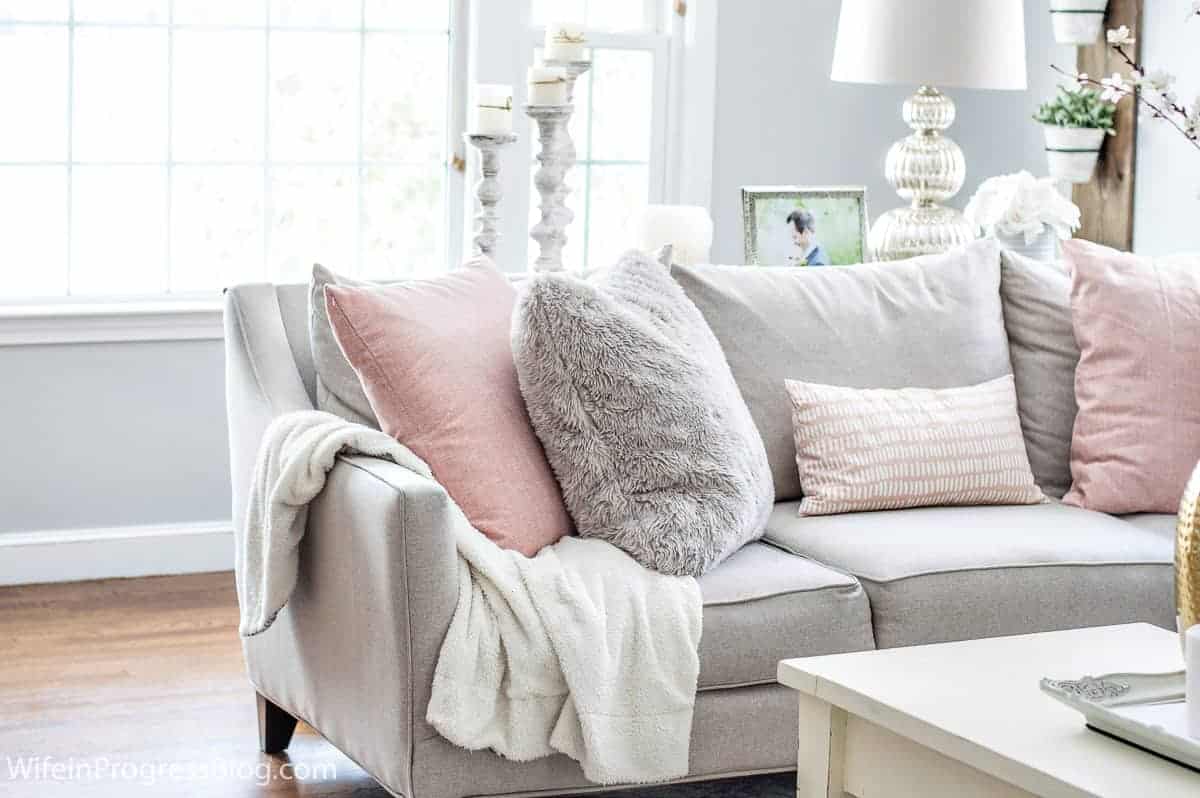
(275, 727)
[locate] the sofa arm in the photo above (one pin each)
(353, 652)
(261, 380)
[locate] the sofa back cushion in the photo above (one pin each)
(640, 418)
(1037, 315)
(928, 322)
(435, 361)
(338, 389)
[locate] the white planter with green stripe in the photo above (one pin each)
(1077, 22)
(1071, 152)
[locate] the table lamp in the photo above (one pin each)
(972, 44)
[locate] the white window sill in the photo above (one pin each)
(62, 323)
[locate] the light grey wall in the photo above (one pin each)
(1167, 191)
(112, 435)
(781, 120)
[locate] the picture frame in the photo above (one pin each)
(778, 225)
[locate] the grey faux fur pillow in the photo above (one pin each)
(640, 417)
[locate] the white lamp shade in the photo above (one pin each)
(973, 44)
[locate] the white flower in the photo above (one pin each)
(1191, 125)
(1120, 37)
(1021, 205)
(1114, 88)
(1152, 101)
(1083, 78)
(1160, 80)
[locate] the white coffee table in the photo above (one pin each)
(968, 719)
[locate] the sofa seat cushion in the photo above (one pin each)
(936, 574)
(762, 605)
(1162, 524)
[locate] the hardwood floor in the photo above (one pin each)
(132, 687)
(134, 677)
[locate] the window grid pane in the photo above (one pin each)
(182, 120)
(613, 15)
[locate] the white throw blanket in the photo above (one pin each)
(579, 650)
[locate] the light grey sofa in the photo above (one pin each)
(353, 653)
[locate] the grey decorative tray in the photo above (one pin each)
(1143, 709)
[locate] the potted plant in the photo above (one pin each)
(1024, 213)
(1077, 22)
(1075, 123)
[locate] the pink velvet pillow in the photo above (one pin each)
(1137, 323)
(435, 360)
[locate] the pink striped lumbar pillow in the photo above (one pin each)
(876, 449)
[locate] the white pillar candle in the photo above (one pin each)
(565, 41)
(687, 228)
(493, 109)
(1192, 661)
(547, 85)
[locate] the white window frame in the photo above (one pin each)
(685, 59)
(684, 48)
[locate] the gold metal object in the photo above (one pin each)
(1187, 556)
(458, 163)
(681, 8)
(926, 168)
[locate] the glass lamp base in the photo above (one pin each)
(926, 230)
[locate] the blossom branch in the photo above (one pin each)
(1139, 72)
(1114, 88)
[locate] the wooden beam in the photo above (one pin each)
(1107, 201)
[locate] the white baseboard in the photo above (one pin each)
(72, 555)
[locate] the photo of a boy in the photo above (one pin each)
(808, 250)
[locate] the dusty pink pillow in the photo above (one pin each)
(435, 360)
(1137, 323)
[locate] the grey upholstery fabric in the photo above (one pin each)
(751, 729)
(640, 418)
(1161, 524)
(293, 309)
(954, 573)
(931, 322)
(338, 389)
(262, 378)
(763, 605)
(376, 579)
(1037, 314)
